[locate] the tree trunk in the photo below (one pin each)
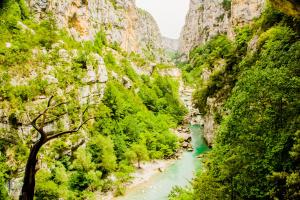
(30, 170)
(139, 164)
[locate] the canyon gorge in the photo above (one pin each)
(92, 96)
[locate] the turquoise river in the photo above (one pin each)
(180, 173)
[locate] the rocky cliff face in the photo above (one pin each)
(208, 18)
(89, 88)
(170, 44)
(244, 11)
(123, 22)
(147, 34)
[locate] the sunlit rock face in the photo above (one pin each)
(191, 32)
(123, 22)
(244, 11)
(147, 34)
(208, 18)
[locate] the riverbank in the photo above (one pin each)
(149, 170)
(142, 175)
(178, 173)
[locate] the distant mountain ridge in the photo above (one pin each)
(170, 44)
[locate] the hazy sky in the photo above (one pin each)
(169, 14)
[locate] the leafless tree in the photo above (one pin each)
(39, 123)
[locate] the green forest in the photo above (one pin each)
(256, 153)
(77, 119)
(127, 126)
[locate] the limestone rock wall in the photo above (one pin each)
(147, 34)
(244, 11)
(121, 19)
(208, 18)
(170, 44)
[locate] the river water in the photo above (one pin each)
(180, 173)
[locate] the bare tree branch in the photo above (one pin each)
(69, 131)
(55, 118)
(43, 114)
(30, 170)
(85, 110)
(49, 101)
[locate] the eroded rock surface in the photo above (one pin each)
(208, 18)
(133, 28)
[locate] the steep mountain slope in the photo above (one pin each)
(247, 87)
(208, 18)
(170, 44)
(122, 21)
(133, 101)
(212, 18)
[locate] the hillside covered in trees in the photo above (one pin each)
(131, 108)
(88, 94)
(251, 87)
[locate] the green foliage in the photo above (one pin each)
(111, 63)
(139, 153)
(99, 42)
(120, 191)
(218, 47)
(226, 5)
(137, 58)
(37, 60)
(83, 161)
(79, 181)
(160, 96)
(102, 151)
(289, 7)
(86, 176)
(3, 177)
(116, 46)
(114, 3)
(179, 193)
(255, 154)
(10, 13)
(218, 58)
(129, 121)
(46, 189)
(243, 36)
(208, 57)
(129, 71)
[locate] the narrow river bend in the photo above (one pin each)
(178, 174)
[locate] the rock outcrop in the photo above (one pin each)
(208, 18)
(243, 12)
(134, 29)
(170, 44)
(147, 34)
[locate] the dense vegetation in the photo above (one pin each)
(131, 123)
(255, 79)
